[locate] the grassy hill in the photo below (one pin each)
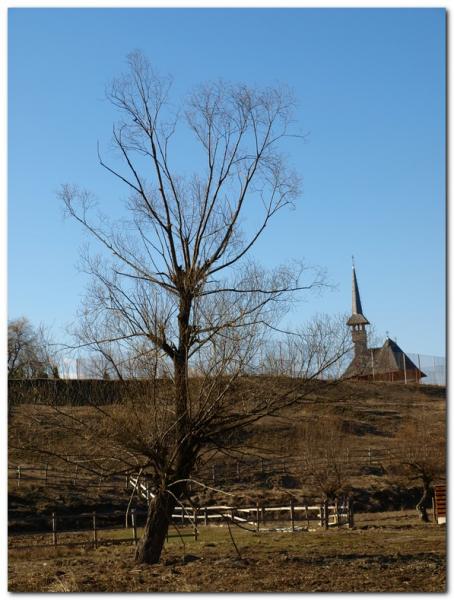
(360, 425)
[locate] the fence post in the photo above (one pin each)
(95, 532)
(292, 514)
(350, 513)
(337, 512)
(263, 515)
(194, 515)
(134, 525)
(75, 475)
(322, 510)
(232, 514)
(257, 513)
(306, 508)
(326, 511)
(54, 529)
(205, 515)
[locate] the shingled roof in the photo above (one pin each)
(390, 358)
(357, 317)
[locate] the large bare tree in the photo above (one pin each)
(177, 287)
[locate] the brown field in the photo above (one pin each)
(385, 552)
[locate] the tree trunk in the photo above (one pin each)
(150, 546)
(160, 510)
(421, 507)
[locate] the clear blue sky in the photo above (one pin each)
(371, 90)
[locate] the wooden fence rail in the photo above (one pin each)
(215, 473)
(252, 517)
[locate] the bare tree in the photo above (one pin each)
(29, 351)
(323, 450)
(176, 285)
(419, 454)
(322, 346)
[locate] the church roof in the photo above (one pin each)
(357, 317)
(387, 359)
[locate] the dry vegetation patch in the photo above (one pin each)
(388, 552)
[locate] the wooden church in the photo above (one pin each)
(388, 363)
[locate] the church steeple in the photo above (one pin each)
(357, 321)
(357, 309)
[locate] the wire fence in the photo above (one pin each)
(390, 364)
(434, 367)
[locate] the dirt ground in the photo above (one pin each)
(386, 552)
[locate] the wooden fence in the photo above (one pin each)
(189, 519)
(340, 513)
(215, 472)
(61, 531)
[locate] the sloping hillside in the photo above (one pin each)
(359, 427)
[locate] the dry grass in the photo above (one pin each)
(389, 552)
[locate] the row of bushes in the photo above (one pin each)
(72, 392)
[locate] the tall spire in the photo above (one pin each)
(357, 317)
(356, 299)
(358, 321)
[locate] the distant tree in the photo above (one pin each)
(323, 457)
(419, 455)
(29, 351)
(309, 349)
(179, 289)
